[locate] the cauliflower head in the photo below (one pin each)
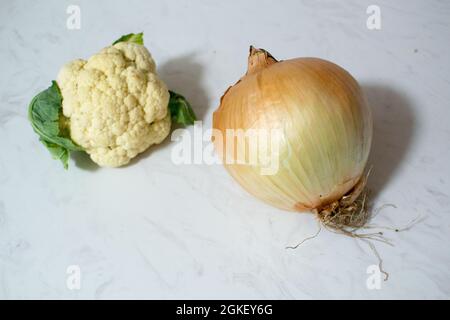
(117, 105)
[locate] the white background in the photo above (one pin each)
(157, 230)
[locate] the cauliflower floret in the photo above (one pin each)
(117, 105)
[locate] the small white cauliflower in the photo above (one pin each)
(112, 106)
(116, 104)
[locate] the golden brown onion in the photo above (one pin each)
(325, 125)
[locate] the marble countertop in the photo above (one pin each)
(155, 229)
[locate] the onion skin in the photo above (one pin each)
(326, 127)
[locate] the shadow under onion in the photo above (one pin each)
(393, 134)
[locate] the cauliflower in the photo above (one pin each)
(112, 106)
(117, 105)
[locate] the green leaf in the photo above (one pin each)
(180, 109)
(57, 152)
(48, 121)
(131, 37)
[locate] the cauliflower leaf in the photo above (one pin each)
(180, 109)
(47, 120)
(131, 37)
(58, 152)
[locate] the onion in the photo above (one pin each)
(325, 127)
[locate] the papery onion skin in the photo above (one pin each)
(326, 127)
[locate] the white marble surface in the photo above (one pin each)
(158, 230)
